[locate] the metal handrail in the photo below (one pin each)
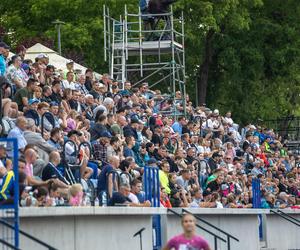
(86, 144)
(287, 218)
(3, 222)
(229, 236)
(9, 245)
(216, 237)
(151, 15)
(287, 215)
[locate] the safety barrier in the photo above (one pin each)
(152, 193)
(10, 209)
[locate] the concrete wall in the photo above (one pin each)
(281, 234)
(113, 228)
(77, 229)
(240, 224)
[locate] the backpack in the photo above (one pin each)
(7, 124)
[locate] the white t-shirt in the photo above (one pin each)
(68, 85)
(133, 198)
(228, 120)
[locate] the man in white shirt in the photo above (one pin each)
(137, 195)
(228, 118)
(68, 83)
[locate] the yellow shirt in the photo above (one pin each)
(164, 181)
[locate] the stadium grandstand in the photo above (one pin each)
(71, 138)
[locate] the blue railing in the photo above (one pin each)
(256, 193)
(256, 203)
(152, 193)
(12, 144)
(151, 185)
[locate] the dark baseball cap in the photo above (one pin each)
(206, 193)
(152, 161)
(4, 45)
(135, 120)
(53, 104)
(106, 134)
(237, 158)
(74, 132)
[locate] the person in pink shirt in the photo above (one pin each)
(188, 240)
(30, 156)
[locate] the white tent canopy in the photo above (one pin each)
(55, 59)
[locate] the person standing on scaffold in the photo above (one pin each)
(156, 7)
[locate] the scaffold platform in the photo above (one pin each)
(149, 47)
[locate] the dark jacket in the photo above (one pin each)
(159, 6)
(130, 131)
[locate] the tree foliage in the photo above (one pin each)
(242, 54)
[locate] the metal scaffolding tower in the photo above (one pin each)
(150, 46)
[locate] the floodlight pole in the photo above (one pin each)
(58, 25)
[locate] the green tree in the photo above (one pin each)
(242, 55)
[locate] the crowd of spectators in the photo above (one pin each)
(77, 133)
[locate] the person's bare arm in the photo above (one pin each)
(63, 118)
(145, 204)
(60, 184)
(166, 248)
(110, 185)
(9, 165)
(18, 83)
(33, 182)
(42, 75)
(25, 101)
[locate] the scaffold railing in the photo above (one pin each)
(151, 46)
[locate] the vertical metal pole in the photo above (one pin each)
(16, 187)
(183, 62)
(154, 186)
(123, 56)
(140, 42)
(112, 51)
(58, 39)
(146, 183)
(151, 186)
(173, 57)
(104, 33)
(126, 33)
(109, 39)
(126, 44)
(158, 188)
(216, 242)
(228, 242)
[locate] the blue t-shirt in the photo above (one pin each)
(2, 65)
(102, 179)
(128, 152)
(177, 128)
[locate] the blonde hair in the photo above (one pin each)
(75, 189)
